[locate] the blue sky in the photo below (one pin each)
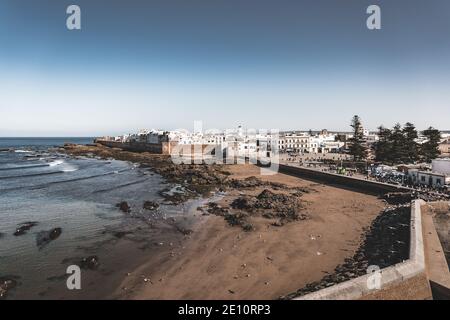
(261, 63)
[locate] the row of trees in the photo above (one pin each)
(396, 145)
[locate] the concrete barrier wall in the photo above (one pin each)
(342, 181)
(357, 288)
(165, 147)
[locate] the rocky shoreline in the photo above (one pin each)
(277, 202)
(196, 180)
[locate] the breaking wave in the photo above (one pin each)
(22, 151)
(56, 163)
(69, 168)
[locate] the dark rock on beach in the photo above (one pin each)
(183, 230)
(90, 263)
(2, 235)
(86, 263)
(283, 207)
(239, 219)
(250, 182)
(7, 283)
(244, 203)
(233, 219)
(124, 207)
(150, 205)
(24, 227)
(271, 205)
(216, 209)
(177, 194)
(45, 237)
(200, 178)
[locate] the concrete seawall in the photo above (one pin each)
(410, 274)
(132, 146)
(341, 181)
(164, 147)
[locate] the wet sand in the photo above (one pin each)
(127, 246)
(219, 261)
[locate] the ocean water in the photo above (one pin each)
(77, 194)
(40, 143)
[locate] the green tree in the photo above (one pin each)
(357, 147)
(410, 147)
(430, 149)
(397, 141)
(383, 145)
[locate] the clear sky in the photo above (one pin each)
(286, 64)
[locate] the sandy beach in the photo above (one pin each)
(219, 261)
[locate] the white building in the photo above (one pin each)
(437, 177)
(323, 142)
(295, 142)
(331, 146)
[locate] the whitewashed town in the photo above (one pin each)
(401, 155)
